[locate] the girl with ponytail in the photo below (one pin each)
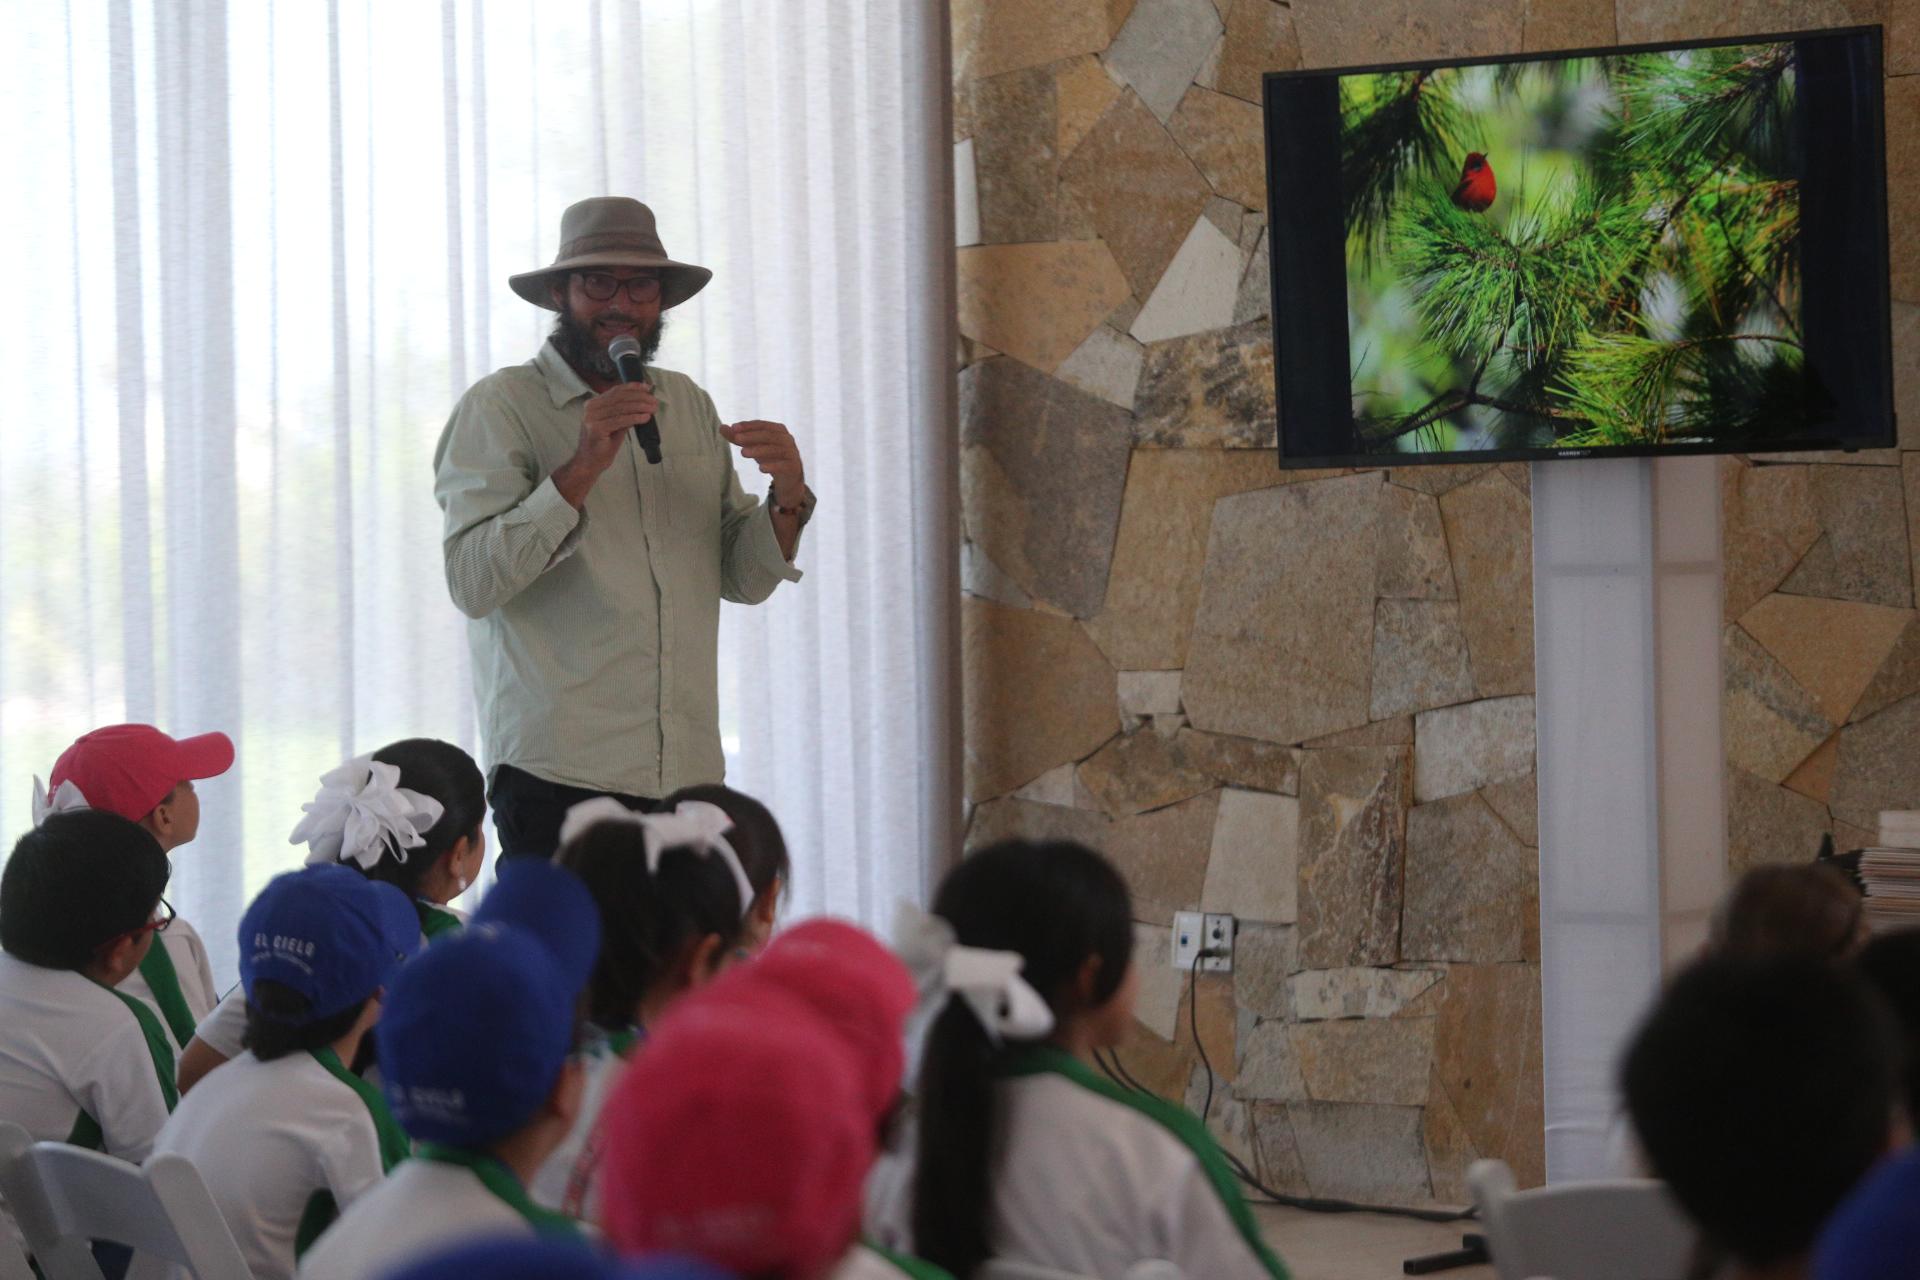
(1023, 1150)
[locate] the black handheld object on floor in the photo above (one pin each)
(1471, 1253)
(624, 351)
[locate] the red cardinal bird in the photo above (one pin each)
(1475, 192)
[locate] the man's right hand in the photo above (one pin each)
(603, 428)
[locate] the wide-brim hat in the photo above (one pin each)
(611, 231)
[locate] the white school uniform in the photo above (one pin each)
(424, 1207)
(192, 968)
(569, 1181)
(268, 1137)
(1093, 1180)
(863, 1262)
(70, 1046)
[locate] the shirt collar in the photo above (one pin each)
(563, 384)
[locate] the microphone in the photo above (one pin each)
(624, 351)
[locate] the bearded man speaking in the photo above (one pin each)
(590, 557)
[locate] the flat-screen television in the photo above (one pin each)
(1676, 248)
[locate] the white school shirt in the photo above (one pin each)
(865, 1263)
(190, 966)
(569, 1181)
(423, 1207)
(1086, 1183)
(267, 1137)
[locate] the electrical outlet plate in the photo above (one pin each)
(1194, 932)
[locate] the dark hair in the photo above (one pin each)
(1891, 965)
(276, 1024)
(448, 774)
(1762, 1089)
(755, 836)
(1056, 904)
(76, 882)
(1807, 909)
(647, 919)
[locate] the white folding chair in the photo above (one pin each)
(1621, 1229)
(160, 1210)
(14, 1142)
(1008, 1269)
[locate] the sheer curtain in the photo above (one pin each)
(259, 248)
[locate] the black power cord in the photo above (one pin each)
(1116, 1071)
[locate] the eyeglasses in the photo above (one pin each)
(601, 286)
(163, 915)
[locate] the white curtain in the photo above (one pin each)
(258, 249)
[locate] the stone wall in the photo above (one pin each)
(1307, 698)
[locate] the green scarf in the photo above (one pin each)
(86, 1130)
(499, 1179)
(916, 1268)
(395, 1146)
(1183, 1124)
(164, 981)
(435, 921)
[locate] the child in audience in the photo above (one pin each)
(409, 814)
(670, 892)
(1762, 1090)
(740, 1138)
(513, 1258)
(1808, 908)
(1875, 1233)
(757, 839)
(145, 776)
(475, 1051)
(1024, 1151)
(285, 1136)
(80, 1061)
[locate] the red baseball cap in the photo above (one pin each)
(856, 986)
(128, 769)
(737, 1136)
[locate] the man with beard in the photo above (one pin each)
(592, 577)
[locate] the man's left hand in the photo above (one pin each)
(771, 446)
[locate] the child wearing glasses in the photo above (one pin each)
(80, 1060)
(145, 776)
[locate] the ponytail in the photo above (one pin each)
(1055, 904)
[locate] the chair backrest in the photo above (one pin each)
(1008, 1269)
(160, 1210)
(1621, 1229)
(14, 1142)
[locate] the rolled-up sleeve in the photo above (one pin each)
(506, 524)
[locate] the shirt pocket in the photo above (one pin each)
(693, 484)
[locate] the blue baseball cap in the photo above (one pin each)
(1875, 1233)
(517, 1258)
(475, 1031)
(328, 933)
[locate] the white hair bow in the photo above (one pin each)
(65, 799)
(360, 812)
(989, 981)
(693, 824)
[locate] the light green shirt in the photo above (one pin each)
(594, 633)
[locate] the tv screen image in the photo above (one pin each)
(1661, 249)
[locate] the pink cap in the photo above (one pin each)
(737, 1136)
(857, 986)
(128, 769)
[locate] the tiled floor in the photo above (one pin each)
(1358, 1246)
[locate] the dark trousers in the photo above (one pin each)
(528, 811)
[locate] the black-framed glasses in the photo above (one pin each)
(601, 286)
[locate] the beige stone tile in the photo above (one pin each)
(1860, 555)
(1335, 33)
(1161, 1066)
(1016, 168)
(1037, 302)
(1218, 1021)
(1319, 995)
(1243, 762)
(1084, 92)
(1362, 1151)
(1139, 771)
(1353, 804)
(1397, 732)
(1813, 778)
(1224, 137)
(1380, 1060)
(1463, 748)
(1906, 364)
(992, 36)
(1281, 646)
(1487, 1056)
(1517, 803)
(1253, 868)
(1161, 550)
(1157, 1004)
(1646, 21)
(1162, 47)
(1150, 693)
(1772, 724)
(1903, 37)
(1767, 824)
(1769, 525)
(1259, 38)
(1489, 527)
(1213, 391)
(1269, 1065)
(1876, 769)
(1263, 956)
(1449, 1150)
(1419, 657)
(1568, 24)
(1139, 188)
(1833, 648)
(1279, 1164)
(1413, 548)
(1898, 677)
(1903, 181)
(1037, 693)
(1468, 883)
(1438, 478)
(1162, 854)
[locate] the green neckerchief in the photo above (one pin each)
(164, 981)
(1183, 1124)
(86, 1130)
(395, 1146)
(623, 1042)
(435, 921)
(918, 1268)
(499, 1179)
